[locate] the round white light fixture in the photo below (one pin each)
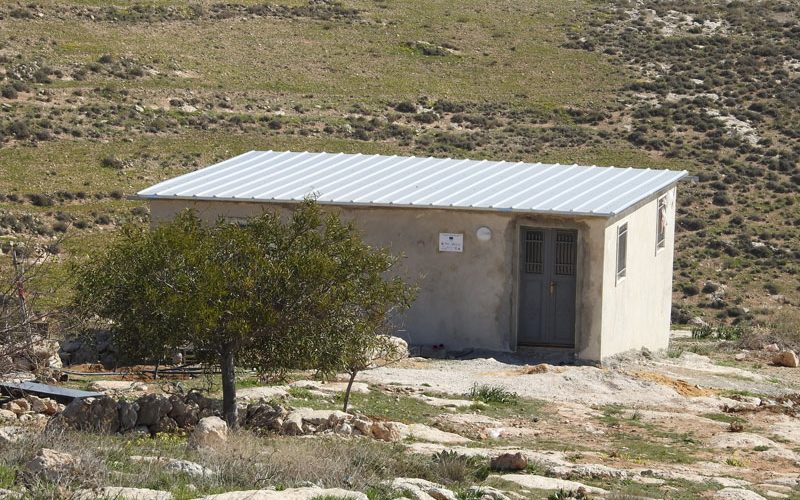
(483, 233)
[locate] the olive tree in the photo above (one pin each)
(268, 294)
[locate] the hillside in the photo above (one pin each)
(99, 101)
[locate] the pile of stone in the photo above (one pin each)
(155, 413)
(150, 414)
(28, 408)
(305, 421)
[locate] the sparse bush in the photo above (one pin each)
(692, 223)
(427, 117)
(405, 107)
(41, 200)
(112, 162)
(9, 92)
(20, 129)
(721, 199)
(140, 211)
(102, 219)
(690, 289)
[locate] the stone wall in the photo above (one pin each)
(153, 413)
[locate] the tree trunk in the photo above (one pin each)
(229, 387)
(353, 374)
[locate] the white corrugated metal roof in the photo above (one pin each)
(409, 181)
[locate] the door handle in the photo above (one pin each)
(552, 288)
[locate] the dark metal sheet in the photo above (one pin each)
(60, 394)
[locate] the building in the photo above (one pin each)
(505, 254)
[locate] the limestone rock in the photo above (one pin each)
(730, 482)
(741, 440)
(165, 424)
(210, 433)
(266, 392)
(424, 432)
(104, 416)
(786, 358)
(387, 431)
(7, 415)
(736, 494)
(394, 350)
(323, 417)
(306, 493)
(487, 493)
(265, 416)
(420, 489)
(546, 483)
(592, 470)
(51, 464)
(46, 406)
(117, 386)
(293, 424)
(18, 406)
(121, 493)
(331, 387)
(362, 425)
(307, 420)
(11, 434)
(127, 415)
(91, 414)
(444, 402)
(509, 461)
(189, 468)
(151, 408)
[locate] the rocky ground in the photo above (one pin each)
(677, 425)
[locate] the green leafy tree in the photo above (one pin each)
(268, 294)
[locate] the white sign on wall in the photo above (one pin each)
(451, 242)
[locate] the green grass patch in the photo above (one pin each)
(8, 475)
(492, 394)
(679, 449)
(300, 393)
(726, 418)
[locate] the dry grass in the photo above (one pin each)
(248, 462)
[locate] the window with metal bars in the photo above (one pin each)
(622, 250)
(565, 254)
(534, 252)
(661, 223)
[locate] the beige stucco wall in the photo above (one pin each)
(469, 299)
(636, 309)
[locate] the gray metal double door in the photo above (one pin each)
(548, 265)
